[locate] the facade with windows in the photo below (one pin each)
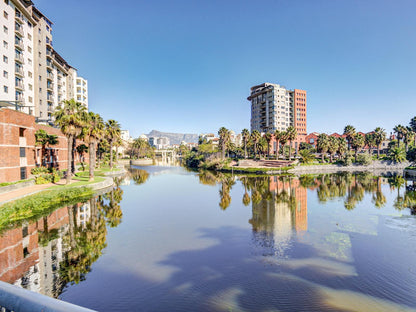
(33, 75)
(274, 107)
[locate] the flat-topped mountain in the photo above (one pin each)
(175, 138)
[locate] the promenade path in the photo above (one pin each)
(25, 191)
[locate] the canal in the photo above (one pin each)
(168, 239)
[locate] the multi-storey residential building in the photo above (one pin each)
(33, 75)
(273, 107)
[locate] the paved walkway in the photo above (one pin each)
(22, 192)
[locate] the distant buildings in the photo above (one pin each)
(34, 77)
(159, 142)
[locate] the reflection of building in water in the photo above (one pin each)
(19, 255)
(83, 214)
(30, 254)
(281, 209)
(167, 161)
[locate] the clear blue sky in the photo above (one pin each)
(187, 66)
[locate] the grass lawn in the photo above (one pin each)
(16, 182)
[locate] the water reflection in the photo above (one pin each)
(291, 191)
(50, 253)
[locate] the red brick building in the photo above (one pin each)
(18, 152)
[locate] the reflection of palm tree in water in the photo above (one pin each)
(226, 185)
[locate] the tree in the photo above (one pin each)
(412, 125)
(81, 150)
(92, 133)
(357, 143)
(322, 144)
(408, 137)
(246, 136)
(370, 142)
(112, 133)
(397, 154)
(333, 144)
(342, 146)
(224, 135)
(379, 137)
(45, 140)
(399, 130)
(277, 137)
(291, 136)
(70, 118)
(283, 138)
(349, 131)
(255, 137)
(268, 137)
(306, 156)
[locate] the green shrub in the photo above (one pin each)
(39, 170)
(364, 159)
(41, 179)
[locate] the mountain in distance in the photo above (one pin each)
(175, 138)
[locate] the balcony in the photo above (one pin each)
(50, 108)
(19, 85)
(18, 57)
(49, 98)
(50, 75)
(49, 64)
(20, 100)
(48, 42)
(19, 72)
(19, 44)
(19, 17)
(50, 86)
(19, 30)
(49, 53)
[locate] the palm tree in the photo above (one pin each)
(268, 137)
(412, 125)
(291, 136)
(277, 136)
(283, 139)
(322, 144)
(224, 135)
(255, 137)
(306, 156)
(399, 130)
(408, 136)
(370, 142)
(349, 131)
(45, 140)
(246, 136)
(342, 146)
(92, 133)
(397, 154)
(333, 144)
(379, 137)
(112, 132)
(69, 117)
(357, 143)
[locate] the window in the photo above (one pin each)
(29, 36)
(40, 90)
(22, 132)
(29, 24)
(25, 231)
(29, 61)
(6, 1)
(5, 44)
(39, 31)
(30, 99)
(5, 74)
(29, 49)
(6, 89)
(6, 15)
(30, 74)
(22, 151)
(30, 87)
(5, 29)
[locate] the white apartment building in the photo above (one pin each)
(17, 56)
(273, 107)
(33, 75)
